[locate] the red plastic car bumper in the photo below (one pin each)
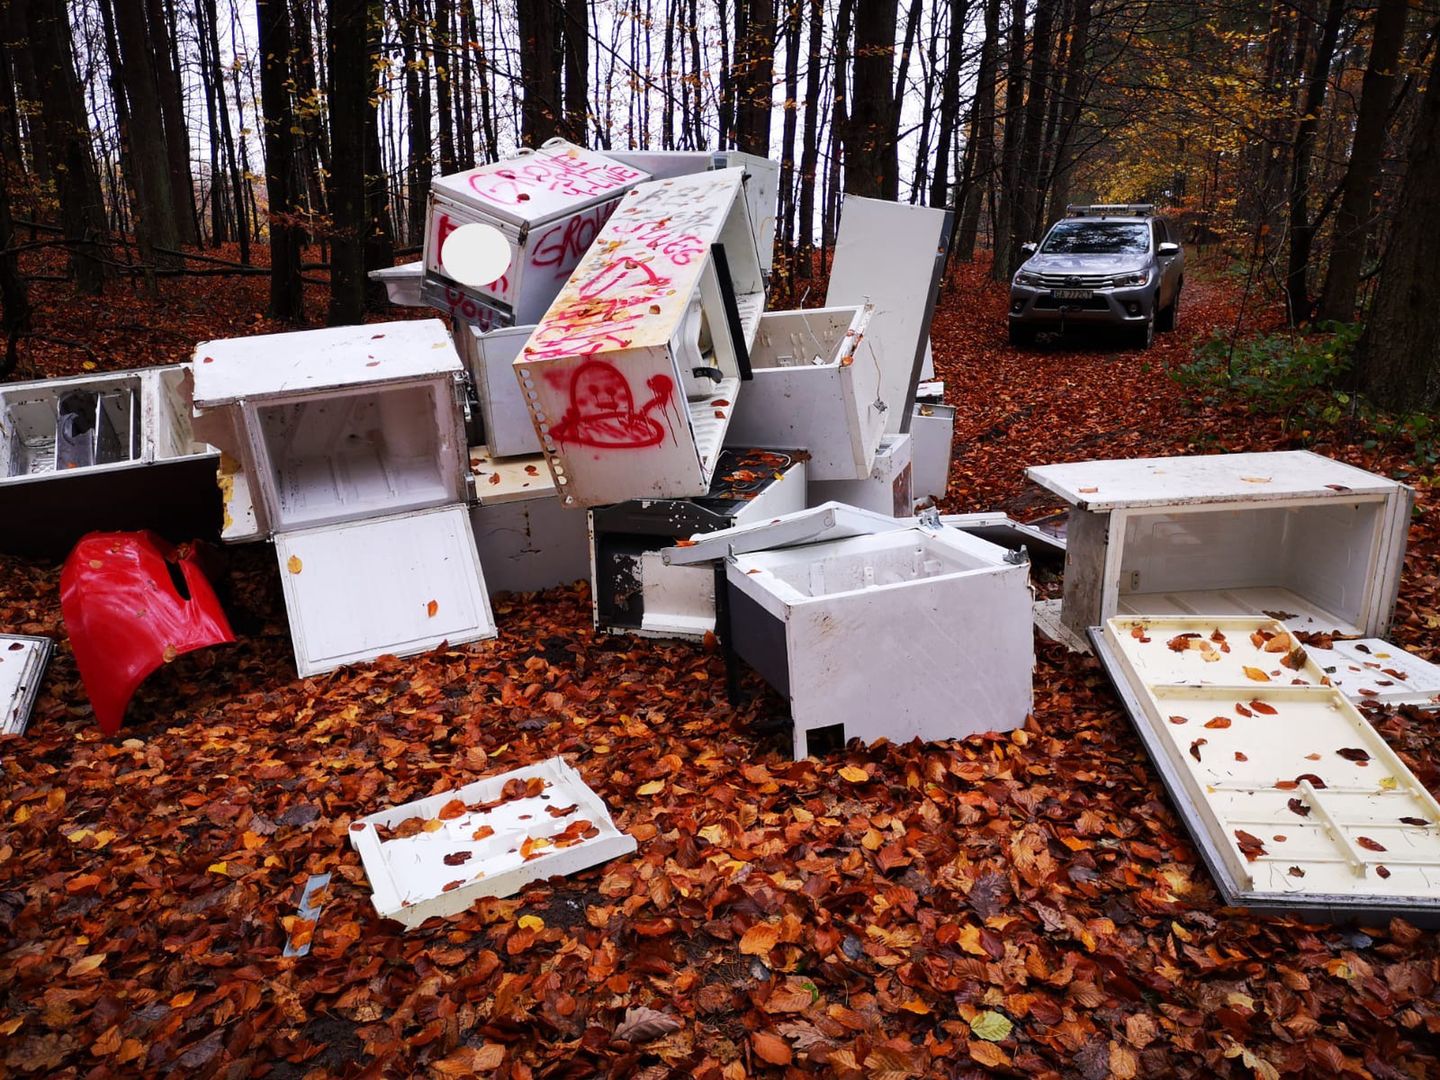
(132, 602)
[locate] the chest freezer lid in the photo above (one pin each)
(22, 665)
(401, 585)
(337, 357)
(1273, 776)
(535, 187)
(891, 254)
(828, 521)
(1126, 483)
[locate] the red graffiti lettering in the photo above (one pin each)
(562, 246)
(601, 411)
(561, 174)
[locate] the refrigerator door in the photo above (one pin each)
(399, 585)
(891, 255)
(1296, 803)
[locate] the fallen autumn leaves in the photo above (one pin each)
(1025, 904)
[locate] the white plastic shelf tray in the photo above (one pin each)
(444, 868)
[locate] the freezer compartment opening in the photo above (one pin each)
(54, 429)
(866, 562)
(802, 338)
(1314, 565)
(173, 434)
(355, 455)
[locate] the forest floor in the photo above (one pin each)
(1022, 904)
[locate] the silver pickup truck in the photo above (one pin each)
(1100, 266)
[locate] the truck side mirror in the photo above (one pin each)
(1029, 248)
(1167, 249)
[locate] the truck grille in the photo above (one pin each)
(1076, 281)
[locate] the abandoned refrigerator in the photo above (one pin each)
(631, 376)
(108, 452)
(542, 207)
(633, 589)
(348, 450)
(1301, 537)
(873, 627)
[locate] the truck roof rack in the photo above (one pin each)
(1110, 210)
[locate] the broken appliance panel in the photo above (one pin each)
(526, 538)
(548, 204)
(809, 391)
(350, 444)
(932, 436)
(22, 665)
(631, 376)
(490, 358)
(402, 283)
(98, 452)
(762, 183)
(634, 589)
(891, 256)
(914, 632)
(886, 490)
(438, 855)
(1292, 534)
(1295, 801)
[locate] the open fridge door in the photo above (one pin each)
(1295, 801)
(397, 585)
(891, 255)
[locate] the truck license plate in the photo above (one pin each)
(1074, 294)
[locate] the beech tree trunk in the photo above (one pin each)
(950, 103)
(872, 162)
(287, 300)
(67, 138)
(810, 140)
(577, 72)
(349, 92)
(537, 21)
(1007, 201)
(172, 114)
(1028, 190)
(982, 135)
(156, 219)
(755, 75)
(1399, 353)
(1353, 220)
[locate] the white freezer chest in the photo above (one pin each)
(112, 451)
(809, 392)
(910, 631)
(548, 204)
(886, 490)
(1290, 534)
(631, 376)
(349, 450)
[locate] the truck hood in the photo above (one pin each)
(1085, 264)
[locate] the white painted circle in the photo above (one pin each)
(475, 254)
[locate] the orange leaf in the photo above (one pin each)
(759, 939)
(771, 1048)
(431, 608)
(1256, 674)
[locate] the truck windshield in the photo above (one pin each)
(1097, 238)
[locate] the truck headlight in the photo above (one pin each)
(1140, 277)
(1023, 278)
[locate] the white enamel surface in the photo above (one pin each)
(402, 283)
(1206, 478)
(1375, 670)
(1249, 768)
(830, 521)
(408, 877)
(363, 589)
(808, 391)
(932, 431)
(538, 186)
(885, 255)
(491, 356)
(904, 634)
(501, 480)
(22, 666)
(887, 490)
(530, 542)
(306, 361)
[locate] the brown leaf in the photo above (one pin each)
(1255, 675)
(1179, 720)
(1419, 821)
(1219, 722)
(451, 810)
(759, 939)
(1251, 846)
(1195, 748)
(1263, 707)
(1353, 753)
(1242, 710)
(771, 1048)
(1369, 844)
(1298, 807)
(641, 1024)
